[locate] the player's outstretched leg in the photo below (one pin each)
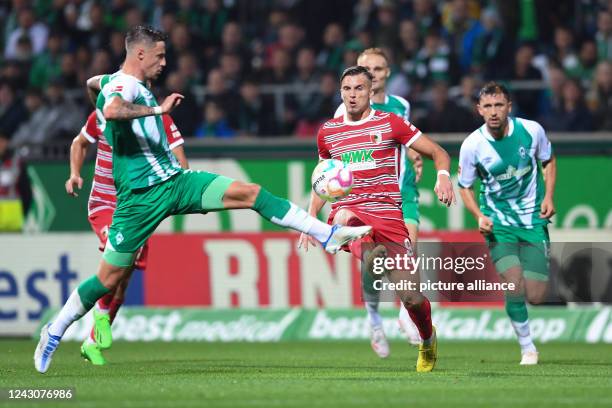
(371, 298)
(285, 213)
(81, 300)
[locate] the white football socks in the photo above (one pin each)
(72, 310)
(524, 336)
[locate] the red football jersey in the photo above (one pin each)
(103, 193)
(371, 148)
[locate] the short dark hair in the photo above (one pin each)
(494, 88)
(141, 33)
(356, 70)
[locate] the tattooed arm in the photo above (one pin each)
(118, 109)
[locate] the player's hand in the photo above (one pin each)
(305, 240)
(547, 209)
(71, 183)
(485, 225)
(172, 101)
(444, 190)
(417, 165)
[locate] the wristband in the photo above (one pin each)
(157, 110)
(443, 172)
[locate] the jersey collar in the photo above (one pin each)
(488, 136)
(359, 122)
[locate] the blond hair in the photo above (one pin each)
(374, 51)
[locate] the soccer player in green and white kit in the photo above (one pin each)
(516, 203)
(377, 64)
(152, 186)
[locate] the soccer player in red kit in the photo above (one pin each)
(101, 206)
(369, 142)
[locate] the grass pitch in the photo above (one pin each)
(325, 374)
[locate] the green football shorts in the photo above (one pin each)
(528, 248)
(410, 204)
(137, 216)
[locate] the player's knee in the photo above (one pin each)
(113, 276)
(535, 298)
(342, 217)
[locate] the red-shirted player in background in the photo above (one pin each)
(101, 206)
(369, 142)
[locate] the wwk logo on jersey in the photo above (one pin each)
(359, 159)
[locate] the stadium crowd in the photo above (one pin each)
(270, 67)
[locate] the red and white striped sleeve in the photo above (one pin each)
(90, 130)
(175, 138)
(403, 131)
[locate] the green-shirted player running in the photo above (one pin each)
(516, 202)
(152, 186)
(411, 164)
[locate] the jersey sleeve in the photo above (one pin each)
(322, 146)
(90, 129)
(403, 131)
(122, 86)
(340, 111)
(467, 164)
(175, 138)
(543, 147)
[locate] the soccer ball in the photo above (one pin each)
(332, 180)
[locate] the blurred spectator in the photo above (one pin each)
(587, 60)
(572, 115)
(188, 14)
(526, 102)
(307, 75)
(12, 71)
(319, 107)
(187, 67)
(28, 27)
(23, 52)
(462, 29)
(117, 48)
(217, 91)
(600, 96)
(101, 64)
(330, 56)
(68, 71)
(386, 26)
(467, 98)
(54, 119)
(604, 35)
(425, 16)
(15, 188)
(98, 31)
(179, 43)
(434, 62)
(564, 53)
(212, 22)
(280, 70)
(46, 65)
(444, 115)
(254, 117)
(553, 95)
(363, 16)
(215, 123)
(231, 68)
(491, 46)
(233, 41)
(12, 111)
(186, 115)
(409, 45)
(290, 36)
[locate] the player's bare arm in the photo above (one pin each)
(118, 109)
(547, 209)
(179, 153)
(485, 225)
(93, 88)
(417, 164)
(428, 148)
(78, 151)
(315, 205)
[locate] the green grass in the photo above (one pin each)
(330, 374)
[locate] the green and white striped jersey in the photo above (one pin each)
(407, 177)
(141, 155)
(512, 186)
